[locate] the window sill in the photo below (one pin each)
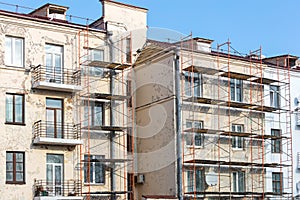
(15, 183)
(93, 184)
(238, 149)
(12, 67)
(196, 147)
(12, 123)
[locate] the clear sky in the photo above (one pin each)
(271, 24)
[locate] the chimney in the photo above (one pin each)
(51, 11)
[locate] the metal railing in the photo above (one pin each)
(58, 188)
(56, 130)
(60, 76)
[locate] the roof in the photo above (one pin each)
(204, 40)
(124, 4)
(282, 56)
(45, 20)
(47, 5)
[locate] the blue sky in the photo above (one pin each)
(272, 24)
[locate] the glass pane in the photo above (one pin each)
(199, 181)
(18, 56)
(189, 124)
(234, 182)
(52, 158)
(9, 176)
(197, 124)
(19, 176)
(59, 124)
(9, 108)
(9, 156)
(54, 103)
(49, 62)
(98, 115)
(19, 157)
(49, 173)
(19, 167)
(190, 181)
(198, 140)
(50, 123)
(97, 55)
(58, 175)
(98, 173)
(9, 166)
(18, 108)
(8, 50)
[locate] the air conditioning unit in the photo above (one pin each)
(139, 179)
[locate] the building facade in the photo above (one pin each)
(104, 111)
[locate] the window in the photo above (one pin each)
(129, 93)
(54, 173)
(93, 113)
(96, 55)
(274, 96)
(193, 138)
(94, 168)
(195, 180)
(128, 50)
(54, 118)
(14, 108)
(129, 140)
(236, 90)
(54, 63)
(193, 84)
(15, 167)
(14, 51)
(276, 142)
(277, 182)
(238, 181)
(237, 141)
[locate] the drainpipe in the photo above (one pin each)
(178, 124)
(112, 133)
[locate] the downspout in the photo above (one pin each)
(111, 112)
(178, 124)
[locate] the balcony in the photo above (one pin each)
(46, 190)
(58, 79)
(49, 133)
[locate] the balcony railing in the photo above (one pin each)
(58, 188)
(56, 133)
(50, 78)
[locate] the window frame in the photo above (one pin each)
(189, 84)
(91, 111)
(13, 122)
(92, 54)
(195, 178)
(236, 140)
(275, 96)
(14, 161)
(13, 51)
(276, 144)
(236, 184)
(93, 164)
(236, 84)
(275, 182)
(191, 136)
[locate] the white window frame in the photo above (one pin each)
(94, 170)
(235, 140)
(236, 185)
(92, 54)
(235, 85)
(52, 74)
(274, 96)
(190, 89)
(192, 136)
(194, 177)
(10, 60)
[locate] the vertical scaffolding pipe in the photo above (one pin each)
(111, 113)
(178, 124)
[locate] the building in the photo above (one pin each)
(68, 118)
(102, 110)
(224, 125)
